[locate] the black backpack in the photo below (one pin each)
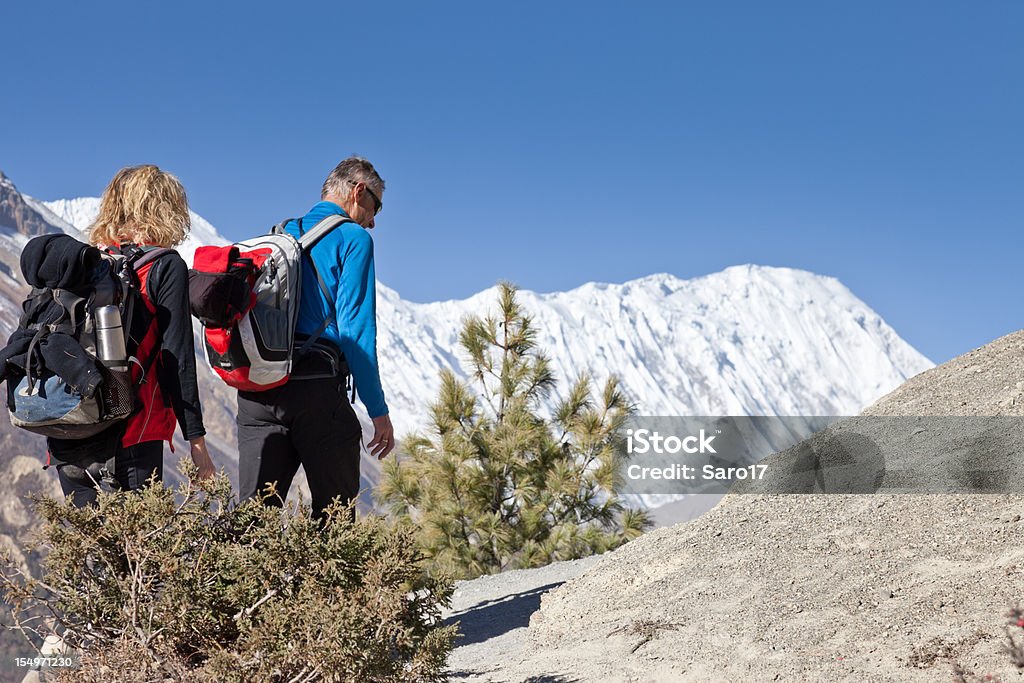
(56, 385)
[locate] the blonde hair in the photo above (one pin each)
(142, 204)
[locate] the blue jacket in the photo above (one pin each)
(344, 258)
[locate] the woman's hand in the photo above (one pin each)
(201, 457)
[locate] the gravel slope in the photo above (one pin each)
(883, 587)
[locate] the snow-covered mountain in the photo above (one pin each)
(750, 340)
(20, 221)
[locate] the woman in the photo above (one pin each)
(145, 207)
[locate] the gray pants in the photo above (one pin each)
(308, 422)
(132, 468)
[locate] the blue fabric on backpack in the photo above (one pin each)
(49, 400)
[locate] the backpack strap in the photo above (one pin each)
(69, 303)
(43, 331)
(143, 257)
(137, 257)
(318, 231)
(307, 240)
(148, 256)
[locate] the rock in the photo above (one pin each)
(16, 213)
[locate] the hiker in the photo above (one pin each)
(309, 421)
(144, 209)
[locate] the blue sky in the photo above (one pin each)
(557, 143)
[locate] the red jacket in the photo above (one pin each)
(156, 420)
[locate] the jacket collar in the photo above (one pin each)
(327, 209)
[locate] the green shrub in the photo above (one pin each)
(495, 485)
(189, 585)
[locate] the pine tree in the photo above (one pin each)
(496, 486)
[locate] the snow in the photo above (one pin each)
(80, 212)
(12, 240)
(750, 340)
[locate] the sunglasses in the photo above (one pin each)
(377, 204)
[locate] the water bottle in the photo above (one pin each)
(110, 347)
(115, 394)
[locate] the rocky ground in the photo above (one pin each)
(785, 587)
(494, 612)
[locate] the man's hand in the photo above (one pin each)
(201, 457)
(383, 437)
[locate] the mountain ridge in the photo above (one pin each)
(410, 359)
(748, 340)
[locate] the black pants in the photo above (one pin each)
(132, 467)
(307, 422)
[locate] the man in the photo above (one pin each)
(309, 420)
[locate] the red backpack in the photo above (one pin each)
(247, 297)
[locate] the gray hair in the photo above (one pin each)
(348, 173)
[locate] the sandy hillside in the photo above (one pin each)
(882, 587)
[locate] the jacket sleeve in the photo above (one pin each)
(168, 289)
(356, 311)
